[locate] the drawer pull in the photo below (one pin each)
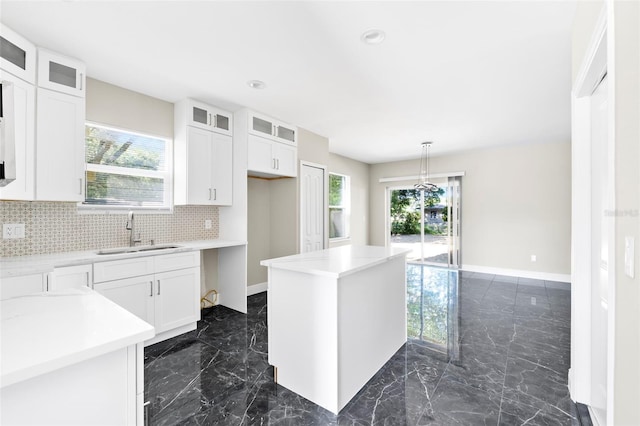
(158, 287)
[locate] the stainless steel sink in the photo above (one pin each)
(137, 249)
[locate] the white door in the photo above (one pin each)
(59, 146)
(312, 212)
(260, 155)
(24, 113)
(222, 170)
(199, 189)
(134, 294)
(71, 277)
(600, 203)
(177, 296)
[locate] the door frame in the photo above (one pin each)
(325, 203)
(454, 235)
(598, 61)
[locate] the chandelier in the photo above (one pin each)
(423, 181)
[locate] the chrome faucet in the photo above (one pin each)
(132, 227)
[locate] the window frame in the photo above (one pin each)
(345, 206)
(166, 175)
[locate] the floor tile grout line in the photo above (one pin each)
(506, 366)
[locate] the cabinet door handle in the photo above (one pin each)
(273, 129)
(150, 288)
(215, 120)
(87, 276)
(80, 82)
(158, 287)
(209, 119)
(80, 186)
(277, 164)
(215, 194)
(209, 193)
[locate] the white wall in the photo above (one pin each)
(259, 229)
(516, 202)
(115, 106)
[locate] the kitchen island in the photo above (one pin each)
(71, 357)
(335, 317)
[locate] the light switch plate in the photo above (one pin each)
(12, 230)
(629, 256)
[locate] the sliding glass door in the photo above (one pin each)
(427, 223)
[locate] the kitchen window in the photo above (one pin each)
(127, 170)
(339, 196)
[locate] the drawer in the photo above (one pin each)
(118, 269)
(21, 286)
(174, 261)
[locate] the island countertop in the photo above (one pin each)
(43, 332)
(336, 262)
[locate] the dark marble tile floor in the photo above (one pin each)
(482, 350)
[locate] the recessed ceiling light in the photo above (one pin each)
(372, 36)
(256, 84)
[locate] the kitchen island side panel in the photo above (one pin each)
(303, 334)
(372, 323)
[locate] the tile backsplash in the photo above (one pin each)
(52, 227)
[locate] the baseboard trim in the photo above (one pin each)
(547, 276)
(256, 288)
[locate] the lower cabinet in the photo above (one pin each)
(22, 285)
(70, 277)
(167, 299)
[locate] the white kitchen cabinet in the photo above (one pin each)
(61, 73)
(270, 158)
(22, 285)
(60, 146)
(261, 125)
(177, 298)
(203, 116)
(22, 116)
(168, 298)
(17, 55)
(70, 277)
(134, 294)
(203, 165)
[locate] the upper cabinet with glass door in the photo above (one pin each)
(61, 73)
(17, 55)
(261, 125)
(207, 117)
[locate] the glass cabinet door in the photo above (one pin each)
(262, 126)
(207, 117)
(59, 73)
(286, 133)
(62, 74)
(17, 55)
(199, 115)
(222, 122)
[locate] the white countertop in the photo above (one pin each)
(43, 332)
(42, 263)
(336, 262)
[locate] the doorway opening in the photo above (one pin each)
(427, 223)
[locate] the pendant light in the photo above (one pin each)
(423, 182)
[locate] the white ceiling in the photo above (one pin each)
(464, 74)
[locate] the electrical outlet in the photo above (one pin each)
(534, 258)
(207, 224)
(12, 230)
